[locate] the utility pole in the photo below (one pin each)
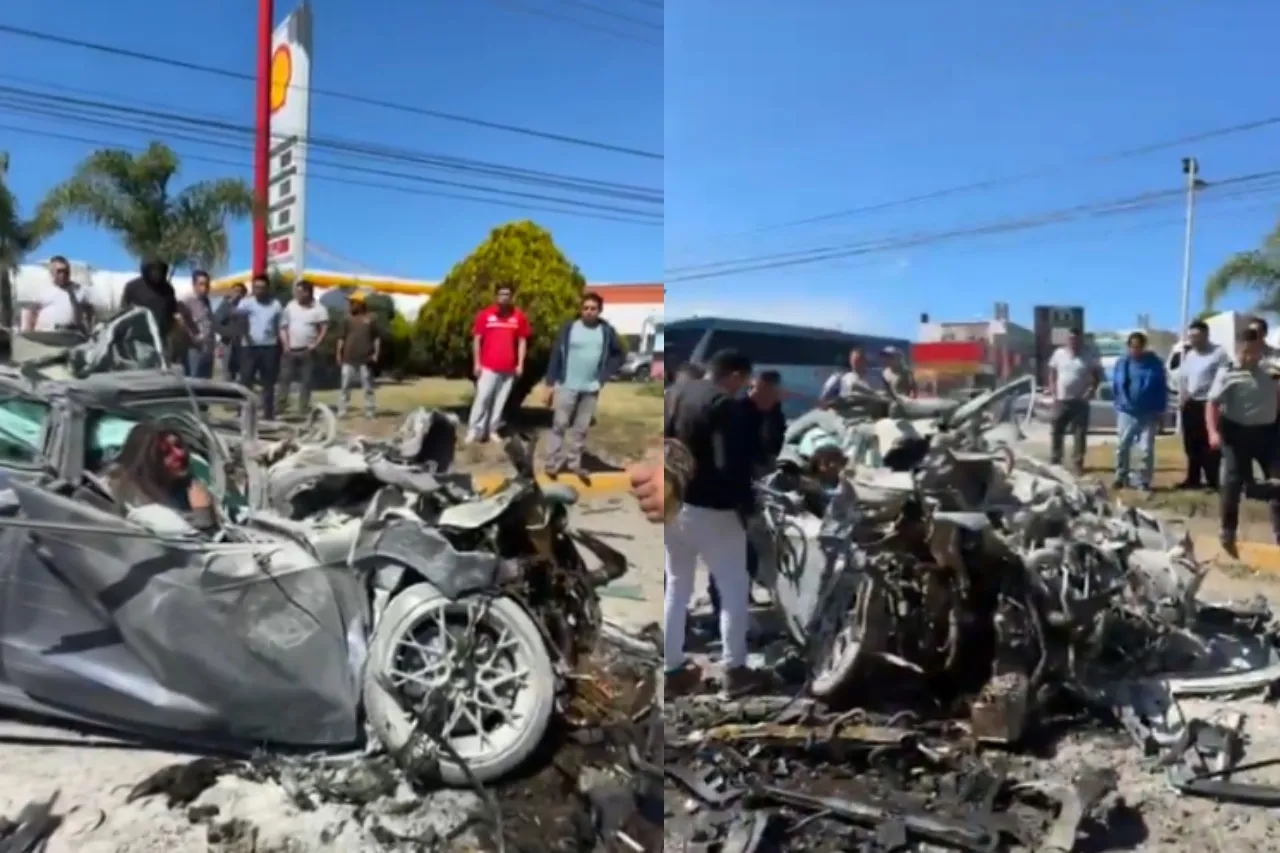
(6, 284)
(1191, 171)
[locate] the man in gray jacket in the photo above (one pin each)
(587, 353)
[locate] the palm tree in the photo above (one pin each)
(18, 238)
(1257, 271)
(131, 196)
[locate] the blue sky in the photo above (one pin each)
(782, 111)
(484, 58)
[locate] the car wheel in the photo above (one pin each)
(498, 696)
(859, 638)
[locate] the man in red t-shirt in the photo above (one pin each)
(500, 339)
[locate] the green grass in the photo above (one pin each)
(628, 423)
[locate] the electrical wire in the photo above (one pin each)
(1009, 180)
(125, 53)
(1140, 202)
(337, 179)
(609, 13)
(97, 107)
(547, 14)
(1144, 201)
(503, 193)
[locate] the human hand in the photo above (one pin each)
(648, 488)
(548, 396)
(1215, 440)
(198, 496)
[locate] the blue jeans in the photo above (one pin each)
(200, 364)
(1141, 429)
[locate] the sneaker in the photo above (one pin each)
(681, 681)
(582, 474)
(742, 680)
(1119, 483)
(1228, 543)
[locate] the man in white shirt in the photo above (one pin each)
(855, 380)
(303, 326)
(61, 307)
(1075, 372)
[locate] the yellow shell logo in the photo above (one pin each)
(281, 77)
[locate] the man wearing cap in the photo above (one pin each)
(359, 347)
(897, 376)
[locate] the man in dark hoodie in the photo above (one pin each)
(153, 291)
(1141, 387)
(586, 354)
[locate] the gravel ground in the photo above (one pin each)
(94, 776)
(1156, 819)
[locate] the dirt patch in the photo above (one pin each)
(628, 423)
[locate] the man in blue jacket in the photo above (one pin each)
(1141, 388)
(586, 354)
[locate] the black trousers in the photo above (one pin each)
(1203, 462)
(262, 365)
(1242, 446)
(1069, 416)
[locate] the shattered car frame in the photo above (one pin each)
(989, 579)
(444, 624)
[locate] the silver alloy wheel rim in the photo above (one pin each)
(488, 697)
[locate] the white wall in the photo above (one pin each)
(106, 287)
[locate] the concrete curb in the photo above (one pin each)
(1256, 556)
(605, 484)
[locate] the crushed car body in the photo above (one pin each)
(351, 592)
(940, 588)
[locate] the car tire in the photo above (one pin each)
(396, 728)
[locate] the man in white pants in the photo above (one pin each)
(500, 339)
(704, 416)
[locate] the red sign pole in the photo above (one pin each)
(262, 137)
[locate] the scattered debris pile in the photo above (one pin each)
(596, 785)
(946, 591)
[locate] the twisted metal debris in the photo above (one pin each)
(946, 591)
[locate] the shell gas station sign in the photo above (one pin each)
(290, 126)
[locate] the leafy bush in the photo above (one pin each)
(548, 288)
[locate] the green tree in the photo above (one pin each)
(133, 196)
(548, 288)
(1257, 271)
(18, 238)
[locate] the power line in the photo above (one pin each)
(466, 165)
(170, 62)
(121, 117)
(337, 179)
(538, 12)
(609, 13)
(1008, 180)
(1140, 201)
(1144, 201)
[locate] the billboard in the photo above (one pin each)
(290, 127)
(1052, 324)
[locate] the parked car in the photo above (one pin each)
(344, 583)
(1102, 410)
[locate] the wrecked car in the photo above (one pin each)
(916, 539)
(351, 594)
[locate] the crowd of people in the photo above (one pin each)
(1227, 407)
(730, 422)
(250, 336)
